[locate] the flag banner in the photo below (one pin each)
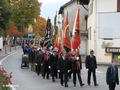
(48, 29)
(76, 37)
(57, 35)
(47, 43)
(55, 29)
(55, 25)
(48, 37)
(57, 44)
(66, 37)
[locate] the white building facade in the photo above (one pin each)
(104, 30)
(1, 43)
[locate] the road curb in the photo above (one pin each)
(9, 53)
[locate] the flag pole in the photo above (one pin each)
(79, 23)
(78, 2)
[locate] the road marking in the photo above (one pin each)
(96, 70)
(12, 87)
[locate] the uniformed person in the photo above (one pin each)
(53, 64)
(64, 68)
(76, 68)
(39, 61)
(45, 63)
(91, 66)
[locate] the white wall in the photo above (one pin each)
(106, 5)
(1, 43)
(91, 24)
(100, 6)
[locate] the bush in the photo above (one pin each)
(4, 79)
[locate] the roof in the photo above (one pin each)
(83, 2)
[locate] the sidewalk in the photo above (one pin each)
(8, 51)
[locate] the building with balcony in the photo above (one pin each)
(99, 27)
(71, 8)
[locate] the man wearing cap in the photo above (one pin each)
(53, 64)
(91, 66)
(64, 68)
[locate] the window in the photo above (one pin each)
(89, 33)
(118, 5)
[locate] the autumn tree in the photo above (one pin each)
(13, 31)
(40, 26)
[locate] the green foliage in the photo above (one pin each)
(5, 14)
(24, 12)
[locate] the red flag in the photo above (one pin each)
(76, 41)
(66, 37)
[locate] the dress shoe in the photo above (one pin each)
(88, 84)
(74, 85)
(53, 80)
(48, 78)
(96, 85)
(61, 84)
(66, 85)
(82, 84)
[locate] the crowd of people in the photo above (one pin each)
(49, 63)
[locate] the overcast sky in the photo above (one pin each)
(49, 8)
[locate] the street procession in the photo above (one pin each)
(58, 57)
(59, 44)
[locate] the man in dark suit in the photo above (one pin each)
(45, 63)
(53, 64)
(36, 53)
(39, 61)
(63, 68)
(91, 66)
(112, 76)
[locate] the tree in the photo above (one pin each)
(5, 14)
(13, 31)
(24, 13)
(40, 26)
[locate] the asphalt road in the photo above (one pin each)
(25, 79)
